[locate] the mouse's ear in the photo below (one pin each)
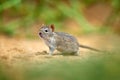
(52, 27)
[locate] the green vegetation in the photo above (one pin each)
(104, 68)
(96, 67)
(22, 14)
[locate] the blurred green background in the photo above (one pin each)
(24, 17)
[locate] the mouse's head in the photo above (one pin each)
(46, 31)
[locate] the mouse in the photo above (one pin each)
(60, 41)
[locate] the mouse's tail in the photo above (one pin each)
(87, 47)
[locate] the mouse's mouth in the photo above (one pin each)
(40, 34)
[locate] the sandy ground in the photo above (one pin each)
(13, 50)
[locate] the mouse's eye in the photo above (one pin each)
(46, 30)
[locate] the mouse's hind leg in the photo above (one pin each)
(77, 53)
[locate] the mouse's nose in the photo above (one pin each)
(40, 34)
